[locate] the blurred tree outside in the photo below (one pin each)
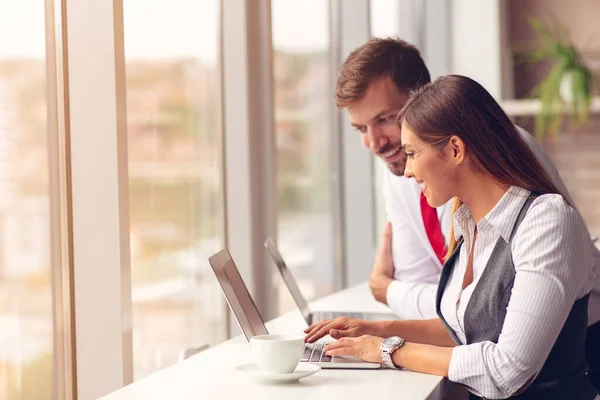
(36, 380)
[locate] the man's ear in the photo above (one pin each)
(457, 149)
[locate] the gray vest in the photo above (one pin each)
(564, 374)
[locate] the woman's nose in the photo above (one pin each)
(408, 169)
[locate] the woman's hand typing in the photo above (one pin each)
(367, 348)
(341, 327)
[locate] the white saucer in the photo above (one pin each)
(302, 370)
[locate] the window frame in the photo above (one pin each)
(65, 377)
(91, 254)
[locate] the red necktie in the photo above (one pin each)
(432, 227)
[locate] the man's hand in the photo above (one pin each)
(383, 270)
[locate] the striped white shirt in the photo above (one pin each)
(416, 268)
(554, 267)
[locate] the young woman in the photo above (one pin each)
(512, 298)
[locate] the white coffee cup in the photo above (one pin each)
(277, 353)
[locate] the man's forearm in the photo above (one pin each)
(412, 300)
(430, 331)
(379, 283)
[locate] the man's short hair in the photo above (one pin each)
(377, 58)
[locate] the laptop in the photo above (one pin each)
(312, 317)
(251, 323)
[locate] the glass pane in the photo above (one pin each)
(385, 18)
(174, 177)
(385, 22)
(303, 100)
(26, 325)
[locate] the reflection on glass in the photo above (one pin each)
(26, 327)
(174, 177)
(302, 102)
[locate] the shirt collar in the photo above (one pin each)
(502, 217)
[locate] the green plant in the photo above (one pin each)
(567, 87)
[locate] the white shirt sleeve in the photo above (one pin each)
(553, 263)
(416, 272)
(412, 300)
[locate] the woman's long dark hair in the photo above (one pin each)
(455, 105)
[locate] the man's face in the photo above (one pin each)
(374, 116)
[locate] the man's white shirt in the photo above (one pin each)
(417, 269)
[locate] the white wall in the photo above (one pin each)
(476, 42)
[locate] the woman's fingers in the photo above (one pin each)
(320, 331)
(343, 351)
(364, 347)
(314, 328)
(341, 333)
(322, 328)
(337, 343)
(317, 325)
(344, 346)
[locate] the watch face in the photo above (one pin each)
(392, 341)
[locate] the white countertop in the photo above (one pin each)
(211, 374)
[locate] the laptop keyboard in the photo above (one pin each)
(313, 352)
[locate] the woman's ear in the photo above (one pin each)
(457, 149)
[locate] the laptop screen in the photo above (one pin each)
(237, 295)
(288, 278)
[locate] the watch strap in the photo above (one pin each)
(386, 353)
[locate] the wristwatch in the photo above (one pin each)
(388, 346)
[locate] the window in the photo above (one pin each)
(385, 18)
(303, 100)
(175, 188)
(385, 22)
(26, 319)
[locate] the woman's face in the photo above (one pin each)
(433, 169)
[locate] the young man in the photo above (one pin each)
(372, 86)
